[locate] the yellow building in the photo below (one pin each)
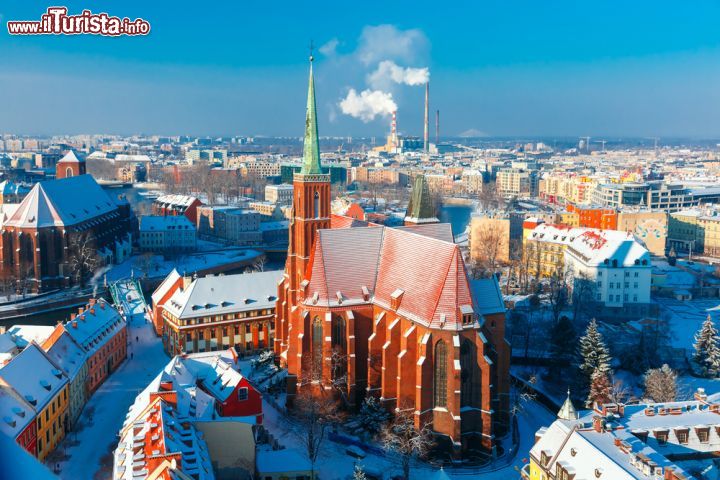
(544, 247)
(45, 387)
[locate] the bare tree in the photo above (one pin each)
(83, 257)
(619, 392)
(401, 436)
(315, 414)
(490, 198)
(661, 384)
(558, 288)
(487, 244)
(259, 263)
(583, 295)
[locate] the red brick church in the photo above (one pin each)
(369, 310)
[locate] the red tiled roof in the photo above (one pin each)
(385, 260)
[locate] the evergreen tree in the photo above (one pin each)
(562, 341)
(594, 354)
(372, 415)
(600, 389)
(707, 352)
(661, 384)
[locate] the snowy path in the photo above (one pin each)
(334, 464)
(97, 435)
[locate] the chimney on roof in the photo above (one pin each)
(74, 324)
(72, 316)
(186, 281)
(598, 423)
(80, 310)
(700, 395)
(91, 302)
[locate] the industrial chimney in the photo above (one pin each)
(437, 127)
(427, 119)
(393, 130)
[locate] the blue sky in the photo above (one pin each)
(553, 68)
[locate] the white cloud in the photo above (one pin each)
(387, 42)
(329, 49)
(368, 104)
(389, 72)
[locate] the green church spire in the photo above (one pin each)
(421, 208)
(311, 146)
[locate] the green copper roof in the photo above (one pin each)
(311, 146)
(421, 206)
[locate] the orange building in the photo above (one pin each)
(595, 217)
(162, 294)
(389, 313)
(102, 332)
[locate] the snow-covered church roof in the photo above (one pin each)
(62, 202)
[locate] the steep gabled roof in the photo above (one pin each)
(71, 157)
(380, 265)
(62, 202)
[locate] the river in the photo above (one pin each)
(458, 216)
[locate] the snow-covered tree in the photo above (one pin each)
(661, 384)
(358, 473)
(600, 388)
(594, 354)
(707, 352)
(372, 415)
(407, 442)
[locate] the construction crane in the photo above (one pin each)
(655, 141)
(602, 142)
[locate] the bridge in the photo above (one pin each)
(127, 295)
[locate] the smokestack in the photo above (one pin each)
(427, 115)
(393, 129)
(437, 127)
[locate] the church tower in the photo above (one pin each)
(70, 166)
(311, 212)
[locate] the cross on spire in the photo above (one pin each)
(312, 49)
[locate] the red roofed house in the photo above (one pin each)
(389, 313)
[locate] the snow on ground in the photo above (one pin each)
(335, 464)
(104, 413)
(686, 317)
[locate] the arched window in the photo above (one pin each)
(339, 336)
(317, 343)
(440, 377)
(68, 172)
(339, 345)
(467, 367)
(316, 205)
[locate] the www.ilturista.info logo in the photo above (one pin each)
(57, 22)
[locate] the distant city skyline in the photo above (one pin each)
(522, 70)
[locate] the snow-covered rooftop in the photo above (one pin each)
(95, 326)
(216, 295)
(34, 376)
(62, 202)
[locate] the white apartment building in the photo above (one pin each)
(515, 182)
(167, 234)
(279, 194)
(616, 265)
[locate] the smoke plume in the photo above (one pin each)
(389, 72)
(368, 104)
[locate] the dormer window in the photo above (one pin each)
(396, 298)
